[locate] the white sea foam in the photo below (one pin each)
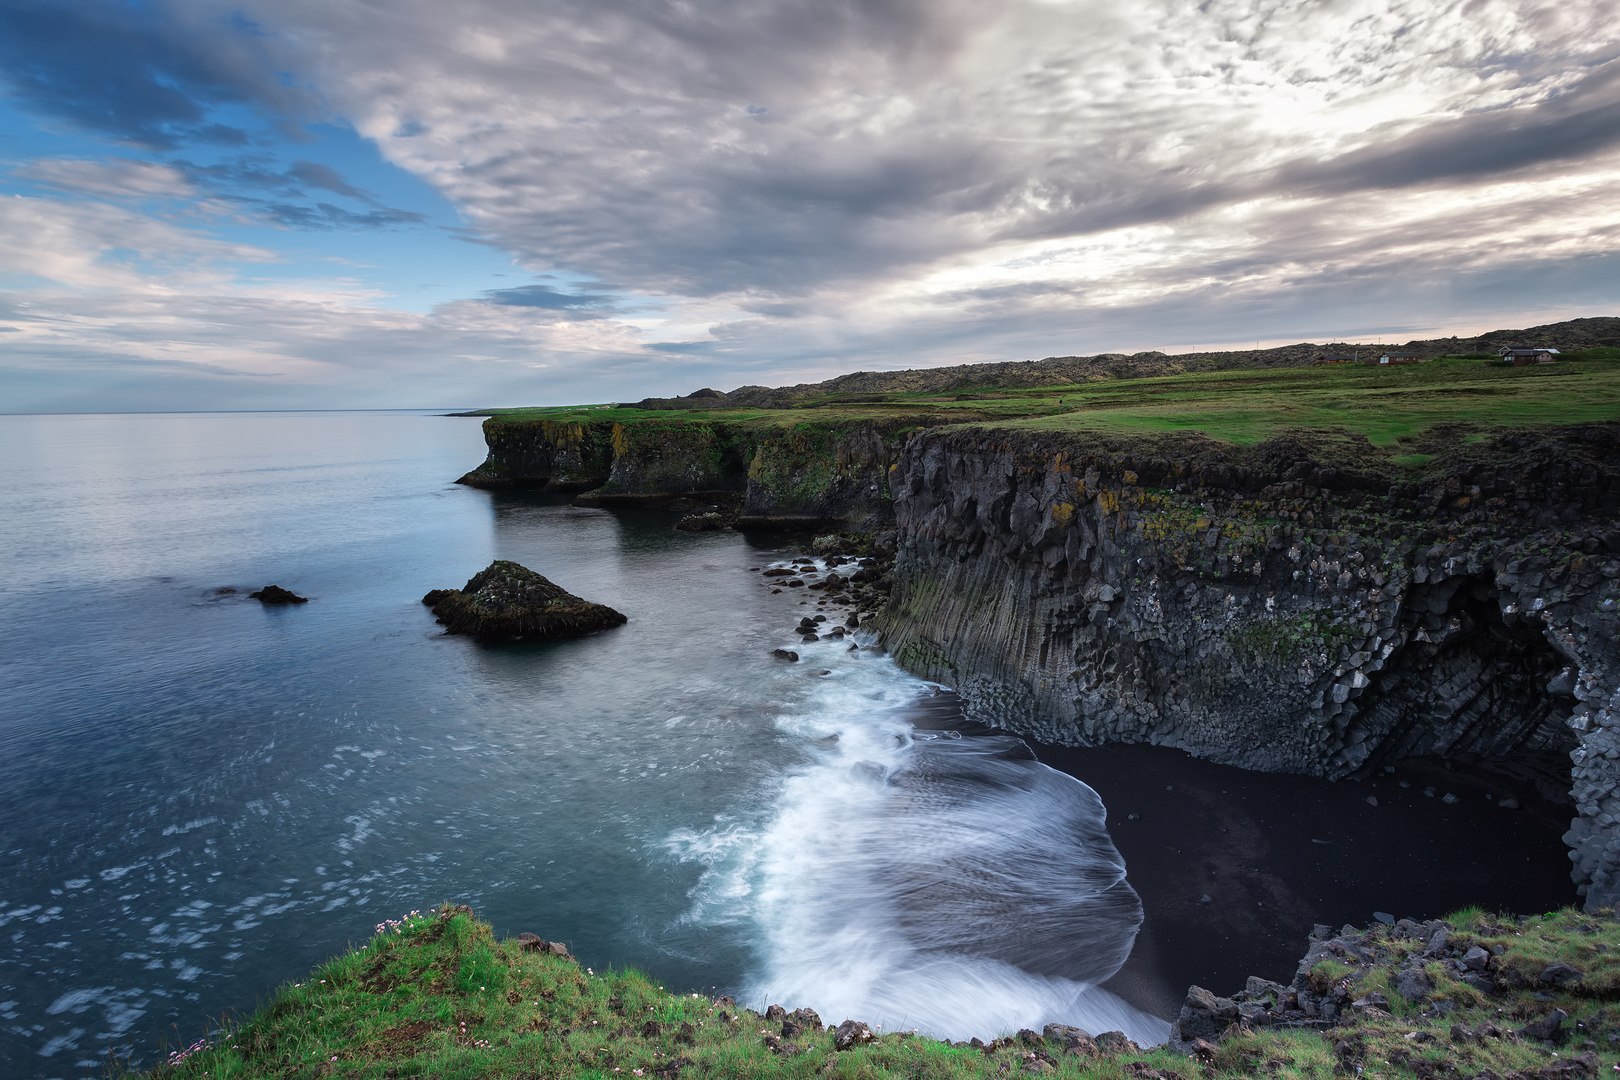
(948, 884)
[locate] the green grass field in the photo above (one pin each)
(1389, 407)
(441, 997)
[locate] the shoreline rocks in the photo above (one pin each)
(507, 600)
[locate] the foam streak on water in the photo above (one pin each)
(921, 880)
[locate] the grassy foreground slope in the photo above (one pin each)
(1407, 410)
(441, 997)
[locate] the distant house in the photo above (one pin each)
(1397, 358)
(1334, 358)
(1521, 357)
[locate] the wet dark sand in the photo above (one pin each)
(1276, 854)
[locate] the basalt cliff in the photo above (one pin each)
(1306, 604)
(1265, 609)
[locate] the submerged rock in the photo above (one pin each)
(506, 600)
(701, 522)
(275, 594)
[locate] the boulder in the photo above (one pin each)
(1073, 1040)
(850, 1034)
(786, 654)
(1413, 984)
(1258, 988)
(275, 595)
(807, 1017)
(1203, 1015)
(1560, 974)
(1116, 1042)
(1581, 1067)
(1549, 1028)
(506, 600)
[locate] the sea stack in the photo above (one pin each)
(506, 600)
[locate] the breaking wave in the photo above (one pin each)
(919, 879)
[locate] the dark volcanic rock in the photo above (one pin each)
(506, 600)
(1413, 984)
(1549, 1028)
(701, 522)
(1116, 1042)
(275, 594)
(852, 1033)
(1560, 974)
(1074, 1040)
(1204, 1015)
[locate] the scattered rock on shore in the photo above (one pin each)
(852, 1033)
(275, 594)
(507, 600)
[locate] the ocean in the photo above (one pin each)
(202, 797)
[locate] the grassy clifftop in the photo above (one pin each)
(439, 996)
(1403, 410)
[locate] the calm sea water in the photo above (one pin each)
(201, 798)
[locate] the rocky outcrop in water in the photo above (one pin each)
(275, 595)
(1287, 608)
(506, 600)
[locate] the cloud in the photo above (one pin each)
(316, 175)
(1581, 123)
(585, 305)
(117, 177)
(94, 245)
(150, 74)
(807, 186)
(326, 216)
(773, 152)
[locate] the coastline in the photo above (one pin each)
(1277, 853)
(438, 994)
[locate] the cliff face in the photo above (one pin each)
(1264, 609)
(570, 456)
(813, 473)
(1290, 606)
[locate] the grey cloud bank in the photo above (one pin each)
(743, 192)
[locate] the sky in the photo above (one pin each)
(274, 204)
